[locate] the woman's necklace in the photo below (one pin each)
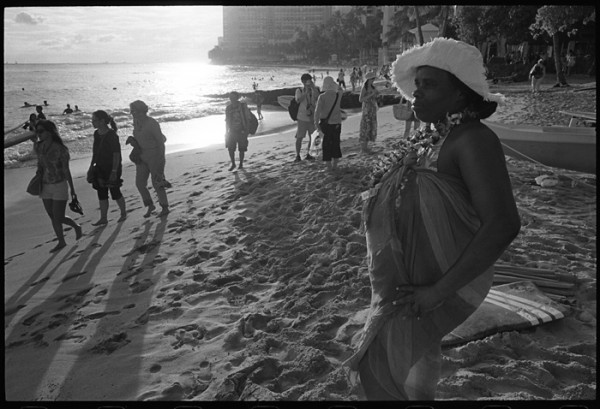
(419, 144)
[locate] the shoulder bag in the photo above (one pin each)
(402, 111)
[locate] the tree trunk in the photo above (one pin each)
(560, 75)
(418, 21)
(445, 13)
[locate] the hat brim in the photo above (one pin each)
(460, 59)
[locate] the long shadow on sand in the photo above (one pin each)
(132, 288)
(28, 290)
(40, 328)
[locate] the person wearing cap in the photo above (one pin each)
(236, 134)
(148, 136)
(368, 122)
(328, 120)
(307, 100)
(436, 221)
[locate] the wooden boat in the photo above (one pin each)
(17, 135)
(571, 148)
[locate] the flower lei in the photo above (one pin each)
(419, 144)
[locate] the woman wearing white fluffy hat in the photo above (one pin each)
(435, 222)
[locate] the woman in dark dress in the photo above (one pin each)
(105, 170)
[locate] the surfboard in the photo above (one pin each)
(285, 100)
(507, 307)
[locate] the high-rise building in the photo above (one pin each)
(247, 28)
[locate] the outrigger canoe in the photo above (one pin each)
(12, 138)
(572, 148)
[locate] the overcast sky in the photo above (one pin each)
(112, 34)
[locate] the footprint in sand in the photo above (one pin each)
(31, 319)
(111, 344)
(141, 286)
(12, 310)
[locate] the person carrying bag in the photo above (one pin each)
(331, 125)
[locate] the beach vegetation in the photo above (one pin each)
(555, 21)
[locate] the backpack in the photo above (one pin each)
(293, 109)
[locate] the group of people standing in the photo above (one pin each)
(435, 222)
(105, 171)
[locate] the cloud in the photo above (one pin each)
(25, 18)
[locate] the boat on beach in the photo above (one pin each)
(572, 148)
(17, 135)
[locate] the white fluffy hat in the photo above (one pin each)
(459, 58)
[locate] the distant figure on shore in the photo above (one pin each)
(53, 164)
(537, 73)
(68, 110)
(571, 60)
(413, 119)
(236, 133)
(307, 100)
(259, 101)
(76, 109)
(341, 78)
(328, 119)
(353, 78)
(45, 103)
(105, 169)
(368, 121)
(435, 222)
(151, 141)
(40, 114)
(359, 77)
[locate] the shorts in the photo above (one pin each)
(303, 127)
(115, 193)
(55, 191)
(331, 141)
(237, 139)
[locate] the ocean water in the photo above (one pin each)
(175, 93)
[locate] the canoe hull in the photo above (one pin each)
(12, 140)
(560, 147)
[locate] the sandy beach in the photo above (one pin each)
(256, 284)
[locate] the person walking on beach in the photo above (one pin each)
(436, 222)
(341, 78)
(53, 163)
(105, 169)
(537, 73)
(236, 132)
(259, 101)
(148, 136)
(368, 121)
(328, 119)
(353, 78)
(307, 100)
(68, 110)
